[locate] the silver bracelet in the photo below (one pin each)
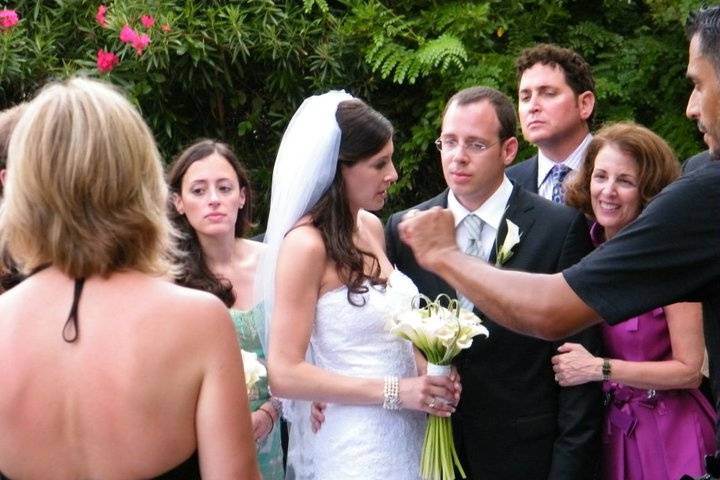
(391, 393)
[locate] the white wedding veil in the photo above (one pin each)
(304, 169)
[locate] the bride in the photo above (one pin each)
(333, 289)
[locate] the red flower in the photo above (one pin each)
(127, 34)
(140, 42)
(100, 16)
(106, 61)
(8, 18)
(147, 21)
(165, 27)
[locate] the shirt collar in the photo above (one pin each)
(491, 212)
(574, 160)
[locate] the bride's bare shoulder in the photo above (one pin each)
(305, 239)
(372, 224)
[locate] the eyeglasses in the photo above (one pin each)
(473, 148)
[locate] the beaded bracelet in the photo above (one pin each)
(391, 393)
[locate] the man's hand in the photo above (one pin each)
(430, 235)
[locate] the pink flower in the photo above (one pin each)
(127, 34)
(140, 42)
(8, 18)
(165, 27)
(100, 16)
(106, 61)
(147, 21)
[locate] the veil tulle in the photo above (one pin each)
(304, 169)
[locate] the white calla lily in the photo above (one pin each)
(512, 238)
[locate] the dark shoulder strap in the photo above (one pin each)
(71, 330)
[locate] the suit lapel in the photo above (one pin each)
(530, 182)
(518, 211)
(438, 285)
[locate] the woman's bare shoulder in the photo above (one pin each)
(188, 298)
(305, 239)
(253, 245)
(370, 222)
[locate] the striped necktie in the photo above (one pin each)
(474, 227)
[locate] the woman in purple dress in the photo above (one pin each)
(657, 423)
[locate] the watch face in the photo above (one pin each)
(606, 369)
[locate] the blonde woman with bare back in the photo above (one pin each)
(109, 370)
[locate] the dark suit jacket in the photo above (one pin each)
(525, 174)
(700, 160)
(514, 421)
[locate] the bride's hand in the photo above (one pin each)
(435, 395)
(457, 383)
(317, 415)
(420, 361)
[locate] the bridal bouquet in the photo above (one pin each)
(440, 333)
(253, 369)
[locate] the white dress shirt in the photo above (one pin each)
(574, 161)
(491, 213)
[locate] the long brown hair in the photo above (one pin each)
(364, 132)
(194, 272)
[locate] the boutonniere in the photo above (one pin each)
(512, 238)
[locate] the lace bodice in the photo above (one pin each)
(365, 442)
(354, 340)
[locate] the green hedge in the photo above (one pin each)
(236, 70)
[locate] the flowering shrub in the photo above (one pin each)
(106, 61)
(237, 70)
(147, 21)
(100, 16)
(8, 18)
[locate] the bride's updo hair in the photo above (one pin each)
(364, 132)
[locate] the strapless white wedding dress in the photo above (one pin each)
(365, 442)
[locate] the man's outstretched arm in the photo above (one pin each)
(540, 305)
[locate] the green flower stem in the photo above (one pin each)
(439, 455)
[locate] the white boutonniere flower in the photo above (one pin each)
(512, 238)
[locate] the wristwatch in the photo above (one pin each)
(606, 370)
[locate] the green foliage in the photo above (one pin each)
(236, 70)
(637, 50)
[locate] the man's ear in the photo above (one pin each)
(586, 104)
(509, 150)
(3, 173)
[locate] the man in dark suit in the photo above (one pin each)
(513, 420)
(556, 102)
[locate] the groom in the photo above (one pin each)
(513, 420)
